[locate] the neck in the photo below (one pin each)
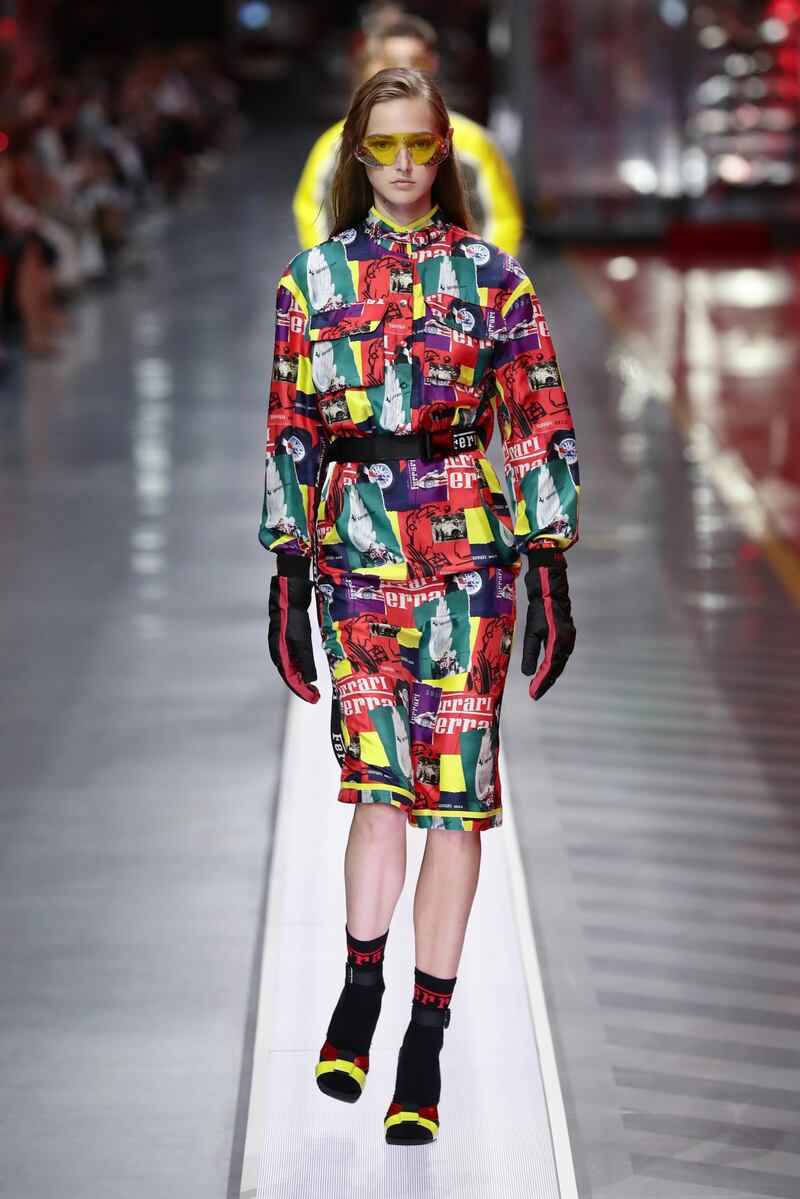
(403, 214)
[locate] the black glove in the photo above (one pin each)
(549, 621)
(289, 635)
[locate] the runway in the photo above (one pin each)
(502, 1082)
(642, 903)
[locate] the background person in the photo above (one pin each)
(410, 41)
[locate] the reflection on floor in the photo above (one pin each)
(720, 340)
(661, 836)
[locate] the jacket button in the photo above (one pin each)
(404, 302)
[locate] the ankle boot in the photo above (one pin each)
(407, 1121)
(341, 1071)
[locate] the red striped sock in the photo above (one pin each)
(364, 956)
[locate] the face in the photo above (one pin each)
(404, 181)
(401, 52)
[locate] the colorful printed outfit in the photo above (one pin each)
(400, 329)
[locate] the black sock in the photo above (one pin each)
(355, 1016)
(418, 1079)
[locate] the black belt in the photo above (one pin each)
(383, 446)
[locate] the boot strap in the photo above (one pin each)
(436, 1018)
(365, 978)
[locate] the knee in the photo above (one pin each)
(380, 822)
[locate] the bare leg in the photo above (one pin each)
(448, 880)
(374, 873)
(374, 868)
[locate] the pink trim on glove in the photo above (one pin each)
(294, 678)
(547, 604)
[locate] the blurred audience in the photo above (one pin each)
(81, 157)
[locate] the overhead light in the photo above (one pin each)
(781, 173)
(719, 87)
(734, 169)
(254, 14)
(773, 30)
(694, 170)
(711, 37)
(739, 64)
(621, 268)
(639, 174)
(754, 89)
(748, 116)
(673, 12)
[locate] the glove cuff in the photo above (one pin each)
(294, 565)
(546, 557)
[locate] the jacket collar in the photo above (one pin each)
(391, 236)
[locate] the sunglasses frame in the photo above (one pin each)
(364, 155)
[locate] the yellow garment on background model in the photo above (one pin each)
(492, 191)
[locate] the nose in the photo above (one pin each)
(403, 158)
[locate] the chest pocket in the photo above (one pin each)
(347, 347)
(459, 342)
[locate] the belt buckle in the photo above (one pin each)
(426, 451)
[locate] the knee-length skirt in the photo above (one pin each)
(418, 671)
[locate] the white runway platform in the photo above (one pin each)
(503, 1131)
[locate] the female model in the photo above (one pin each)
(396, 341)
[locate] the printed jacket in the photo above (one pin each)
(398, 329)
(493, 194)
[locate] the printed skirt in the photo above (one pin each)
(418, 671)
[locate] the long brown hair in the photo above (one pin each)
(350, 195)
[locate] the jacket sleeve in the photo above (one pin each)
(540, 458)
(493, 191)
(498, 192)
(308, 204)
(295, 437)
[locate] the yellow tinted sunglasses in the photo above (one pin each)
(381, 149)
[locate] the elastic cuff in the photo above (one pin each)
(432, 982)
(546, 557)
(295, 565)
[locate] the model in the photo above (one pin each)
(397, 340)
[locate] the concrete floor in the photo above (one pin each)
(655, 787)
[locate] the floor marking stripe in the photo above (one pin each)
(562, 1151)
(266, 993)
